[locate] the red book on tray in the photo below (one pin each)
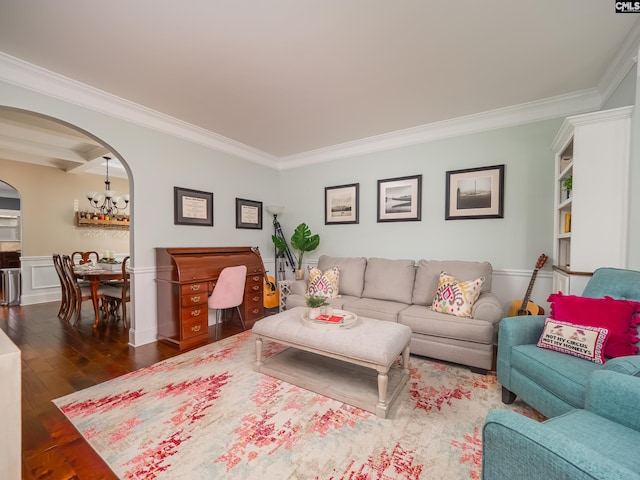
(329, 318)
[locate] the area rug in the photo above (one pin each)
(206, 414)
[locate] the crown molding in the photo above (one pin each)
(559, 106)
(32, 77)
(26, 75)
(621, 64)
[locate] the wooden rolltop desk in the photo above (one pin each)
(185, 280)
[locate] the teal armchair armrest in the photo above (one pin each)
(615, 396)
(514, 331)
(629, 365)
(517, 447)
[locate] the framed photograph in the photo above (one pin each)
(475, 193)
(248, 214)
(192, 207)
(341, 204)
(400, 199)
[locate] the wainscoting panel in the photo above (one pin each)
(40, 282)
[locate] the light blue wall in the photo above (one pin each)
(514, 242)
(625, 94)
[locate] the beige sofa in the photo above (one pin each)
(402, 291)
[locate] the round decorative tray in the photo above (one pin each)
(331, 322)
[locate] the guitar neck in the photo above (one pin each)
(525, 300)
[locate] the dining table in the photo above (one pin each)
(95, 275)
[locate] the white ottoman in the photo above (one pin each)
(346, 364)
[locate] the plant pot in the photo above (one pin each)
(314, 313)
(300, 274)
(568, 194)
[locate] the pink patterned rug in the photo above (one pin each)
(206, 414)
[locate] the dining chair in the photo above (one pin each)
(80, 258)
(228, 292)
(65, 300)
(119, 295)
(79, 293)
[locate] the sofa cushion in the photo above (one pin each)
(577, 340)
(428, 276)
(456, 297)
(351, 273)
(300, 301)
(378, 309)
(619, 317)
(324, 283)
(389, 280)
(423, 320)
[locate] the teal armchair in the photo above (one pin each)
(601, 441)
(554, 383)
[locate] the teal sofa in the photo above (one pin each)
(601, 441)
(554, 383)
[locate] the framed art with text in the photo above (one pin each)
(341, 204)
(400, 199)
(192, 207)
(248, 214)
(475, 193)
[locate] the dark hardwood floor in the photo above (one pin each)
(58, 359)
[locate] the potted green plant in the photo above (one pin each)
(315, 302)
(567, 184)
(303, 241)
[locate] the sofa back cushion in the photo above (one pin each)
(351, 273)
(428, 275)
(389, 280)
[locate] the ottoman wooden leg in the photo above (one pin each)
(258, 353)
(405, 360)
(383, 384)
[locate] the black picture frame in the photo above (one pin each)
(248, 214)
(192, 207)
(400, 199)
(342, 204)
(475, 193)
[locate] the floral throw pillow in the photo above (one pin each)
(454, 297)
(324, 283)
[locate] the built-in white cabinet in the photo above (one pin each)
(591, 218)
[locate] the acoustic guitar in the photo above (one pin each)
(524, 306)
(271, 293)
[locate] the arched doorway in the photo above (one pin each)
(52, 163)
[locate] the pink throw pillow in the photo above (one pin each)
(619, 317)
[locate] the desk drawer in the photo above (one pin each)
(194, 328)
(202, 287)
(194, 299)
(188, 314)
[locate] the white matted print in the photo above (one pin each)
(475, 193)
(400, 199)
(341, 204)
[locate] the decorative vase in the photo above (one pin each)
(314, 313)
(568, 194)
(300, 274)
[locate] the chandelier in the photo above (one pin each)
(107, 201)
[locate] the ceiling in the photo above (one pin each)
(289, 77)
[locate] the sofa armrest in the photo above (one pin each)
(614, 396)
(515, 446)
(487, 307)
(298, 287)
